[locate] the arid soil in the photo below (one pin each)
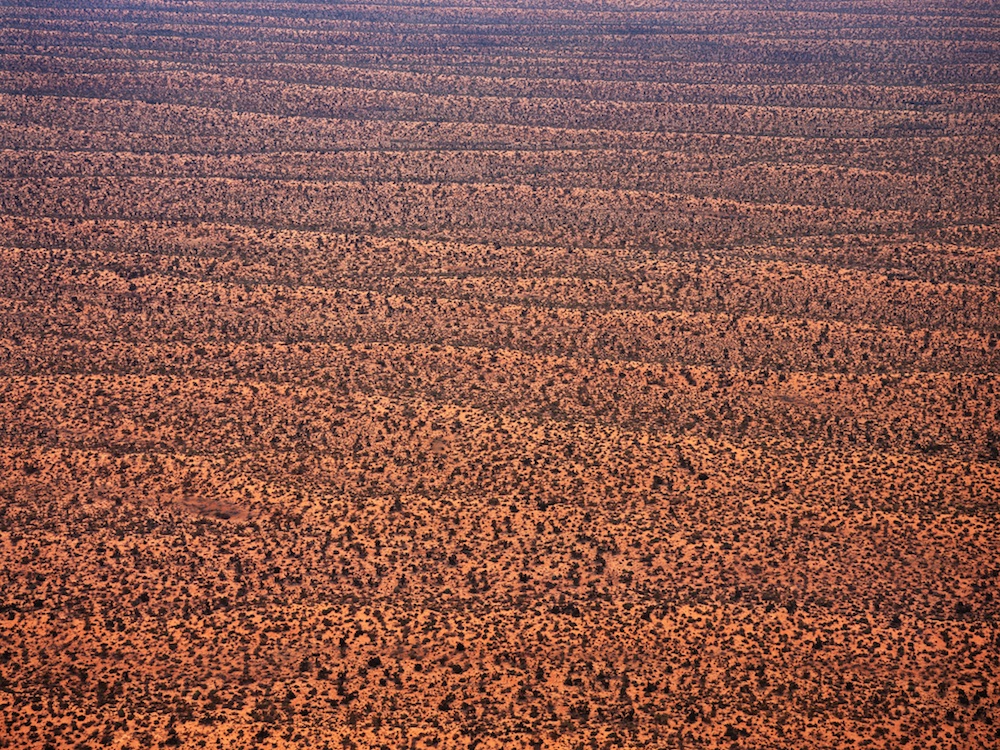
(505, 375)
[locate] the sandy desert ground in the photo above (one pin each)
(506, 375)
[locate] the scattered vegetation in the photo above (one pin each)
(561, 375)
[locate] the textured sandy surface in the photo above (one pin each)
(552, 376)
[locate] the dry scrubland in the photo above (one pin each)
(408, 376)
